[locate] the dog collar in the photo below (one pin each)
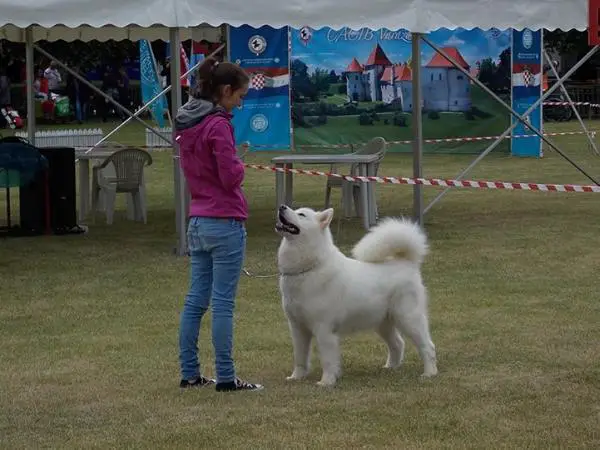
(295, 274)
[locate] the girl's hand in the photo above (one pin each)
(242, 149)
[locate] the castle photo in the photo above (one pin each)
(445, 88)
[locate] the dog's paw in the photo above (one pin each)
(428, 375)
(389, 366)
(297, 375)
(327, 381)
(293, 378)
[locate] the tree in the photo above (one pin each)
(496, 76)
(321, 81)
(504, 71)
(574, 43)
(487, 72)
(302, 85)
(333, 77)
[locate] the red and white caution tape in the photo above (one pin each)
(460, 139)
(593, 105)
(439, 182)
(592, 133)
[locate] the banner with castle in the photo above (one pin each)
(348, 86)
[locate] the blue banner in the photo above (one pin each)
(195, 59)
(150, 83)
(264, 118)
(527, 77)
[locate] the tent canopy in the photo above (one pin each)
(415, 15)
(87, 33)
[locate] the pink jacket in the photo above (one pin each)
(209, 161)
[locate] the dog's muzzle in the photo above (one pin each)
(283, 225)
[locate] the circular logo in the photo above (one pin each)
(305, 34)
(527, 39)
(259, 123)
(495, 33)
(257, 44)
(277, 105)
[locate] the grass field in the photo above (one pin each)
(88, 326)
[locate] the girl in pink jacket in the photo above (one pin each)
(216, 231)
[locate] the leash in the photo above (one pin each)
(250, 275)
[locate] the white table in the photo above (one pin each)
(366, 167)
(83, 165)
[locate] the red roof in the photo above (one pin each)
(387, 74)
(402, 72)
(354, 66)
(378, 58)
(438, 61)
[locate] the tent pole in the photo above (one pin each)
(417, 119)
(30, 76)
(178, 179)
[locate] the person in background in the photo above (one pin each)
(79, 96)
(110, 86)
(166, 73)
(4, 88)
(53, 76)
(123, 88)
(40, 85)
(4, 95)
(218, 211)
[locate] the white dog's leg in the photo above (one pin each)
(329, 352)
(391, 336)
(416, 327)
(301, 339)
(414, 323)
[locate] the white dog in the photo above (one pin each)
(326, 295)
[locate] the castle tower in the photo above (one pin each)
(448, 89)
(355, 87)
(389, 84)
(374, 68)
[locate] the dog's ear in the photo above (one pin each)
(325, 218)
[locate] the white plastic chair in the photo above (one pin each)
(122, 172)
(96, 163)
(351, 189)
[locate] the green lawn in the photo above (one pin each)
(88, 326)
(335, 99)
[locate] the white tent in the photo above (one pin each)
(415, 15)
(32, 20)
(86, 33)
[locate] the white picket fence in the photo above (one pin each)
(152, 140)
(81, 137)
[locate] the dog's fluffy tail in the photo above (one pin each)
(392, 239)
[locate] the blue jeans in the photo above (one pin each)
(217, 248)
(80, 110)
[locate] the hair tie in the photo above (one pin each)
(214, 67)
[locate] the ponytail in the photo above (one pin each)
(212, 75)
